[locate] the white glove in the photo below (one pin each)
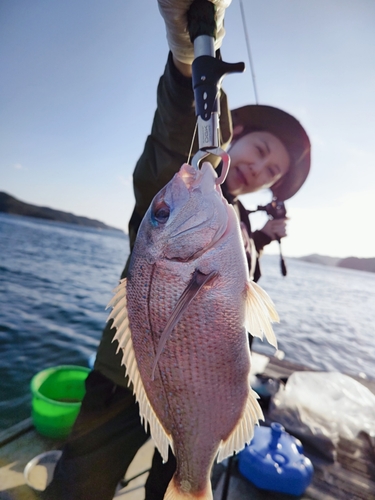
(174, 13)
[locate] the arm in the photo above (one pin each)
(274, 229)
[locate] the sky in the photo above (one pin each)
(78, 93)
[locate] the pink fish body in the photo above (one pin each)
(182, 318)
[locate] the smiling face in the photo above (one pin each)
(258, 161)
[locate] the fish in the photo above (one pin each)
(181, 318)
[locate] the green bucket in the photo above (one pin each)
(57, 394)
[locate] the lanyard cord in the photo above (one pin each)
(249, 51)
(192, 142)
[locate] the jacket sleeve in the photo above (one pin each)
(168, 145)
(260, 240)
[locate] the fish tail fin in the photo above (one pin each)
(175, 493)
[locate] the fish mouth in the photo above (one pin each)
(198, 178)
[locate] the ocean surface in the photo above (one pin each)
(56, 279)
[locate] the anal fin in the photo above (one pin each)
(243, 432)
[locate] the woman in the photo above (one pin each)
(269, 149)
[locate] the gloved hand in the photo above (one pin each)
(275, 228)
(174, 13)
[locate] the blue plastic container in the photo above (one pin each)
(274, 461)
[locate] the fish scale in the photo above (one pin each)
(182, 330)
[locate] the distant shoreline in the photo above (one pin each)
(359, 264)
(10, 205)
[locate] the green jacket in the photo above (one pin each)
(166, 149)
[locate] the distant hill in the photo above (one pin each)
(360, 264)
(10, 205)
(321, 259)
(349, 262)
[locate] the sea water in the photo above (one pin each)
(56, 279)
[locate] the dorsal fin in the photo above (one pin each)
(119, 315)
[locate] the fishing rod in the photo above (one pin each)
(125, 482)
(275, 210)
(247, 39)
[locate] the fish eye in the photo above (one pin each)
(160, 213)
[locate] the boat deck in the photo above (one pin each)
(350, 477)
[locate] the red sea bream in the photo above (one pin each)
(182, 317)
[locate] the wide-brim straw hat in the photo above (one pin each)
(291, 133)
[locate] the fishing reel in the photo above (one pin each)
(276, 210)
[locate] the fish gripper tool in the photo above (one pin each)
(208, 72)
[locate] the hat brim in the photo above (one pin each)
(291, 133)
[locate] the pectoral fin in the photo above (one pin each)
(197, 281)
(260, 313)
